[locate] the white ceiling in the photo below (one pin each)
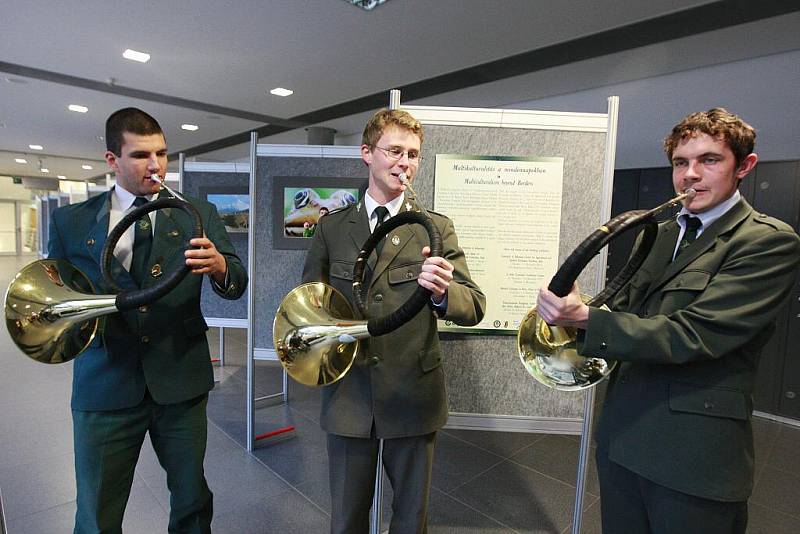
(229, 53)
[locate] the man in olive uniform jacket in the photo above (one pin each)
(674, 440)
(150, 371)
(396, 390)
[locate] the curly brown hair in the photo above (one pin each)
(718, 123)
(385, 118)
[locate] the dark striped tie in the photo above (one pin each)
(690, 234)
(382, 213)
(142, 244)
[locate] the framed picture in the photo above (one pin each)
(299, 202)
(233, 206)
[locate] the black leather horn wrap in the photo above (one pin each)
(379, 326)
(129, 300)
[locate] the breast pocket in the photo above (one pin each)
(682, 290)
(400, 274)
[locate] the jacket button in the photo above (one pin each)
(90, 242)
(155, 272)
(144, 308)
(409, 274)
(375, 360)
(708, 405)
(145, 339)
(623, 379)
(378, 298)
(347, 274)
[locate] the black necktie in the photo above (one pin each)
(382, 213)
(690, 234)
(142, 243)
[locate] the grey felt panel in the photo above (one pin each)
(213, 305)
(484, 374)
(279, 271)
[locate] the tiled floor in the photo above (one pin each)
(483, 481)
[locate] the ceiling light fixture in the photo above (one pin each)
(62, 177)
(280, 91)
(44, 169)
(190, 127)
(366, 4)
(135, 55)
(78, 108)
(36, 147)
(86, 167)
(21, 160)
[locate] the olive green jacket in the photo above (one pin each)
(397, 379)
(688, 334)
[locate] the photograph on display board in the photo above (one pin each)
(301, 201)
(233, 206)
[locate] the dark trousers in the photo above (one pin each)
(352, 464)
(107, 446)
(631, 504)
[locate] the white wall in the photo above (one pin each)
(650, 107)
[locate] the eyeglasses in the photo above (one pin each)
(396, 153)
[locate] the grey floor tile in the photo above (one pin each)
(448, 516)
(777, 490)
(763, 520)
(58, 519)
(287, 513)
(32, 440)
(557, 456)
(784, 454)
(503, 444)
(38, 486)
(456, 462)
(299, 458)
(144, 513)
(520, 498)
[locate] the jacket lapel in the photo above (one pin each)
(96, 239)
(728, 222)
(397, 239)
(169, 239)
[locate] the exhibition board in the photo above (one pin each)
(488, 386)
(223, 184)
(280, 168)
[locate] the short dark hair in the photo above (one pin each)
(132, 120)
(718, 123)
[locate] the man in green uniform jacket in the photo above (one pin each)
(396, 390)
(150, 371)
(674, 440)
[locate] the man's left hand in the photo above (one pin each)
(206, 259)
(436, 275)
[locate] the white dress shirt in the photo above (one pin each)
(121, 204)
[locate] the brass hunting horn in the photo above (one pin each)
(315, 332)
(52, 313)
(549, 352)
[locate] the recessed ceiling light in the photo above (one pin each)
(44, 169)
(36, 147)
(78, 108)
(190, 127)
(134, 55)
(86, 167)
(62, 177)
(280, 91)
(21, 160)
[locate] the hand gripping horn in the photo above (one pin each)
(52, 313)
(549, 352)
(315, 333)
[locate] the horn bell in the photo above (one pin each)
(315, 336)
(549, 354)
(51, 311)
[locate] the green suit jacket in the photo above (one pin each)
(397, 379)
(688, 334)
(161, 346)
